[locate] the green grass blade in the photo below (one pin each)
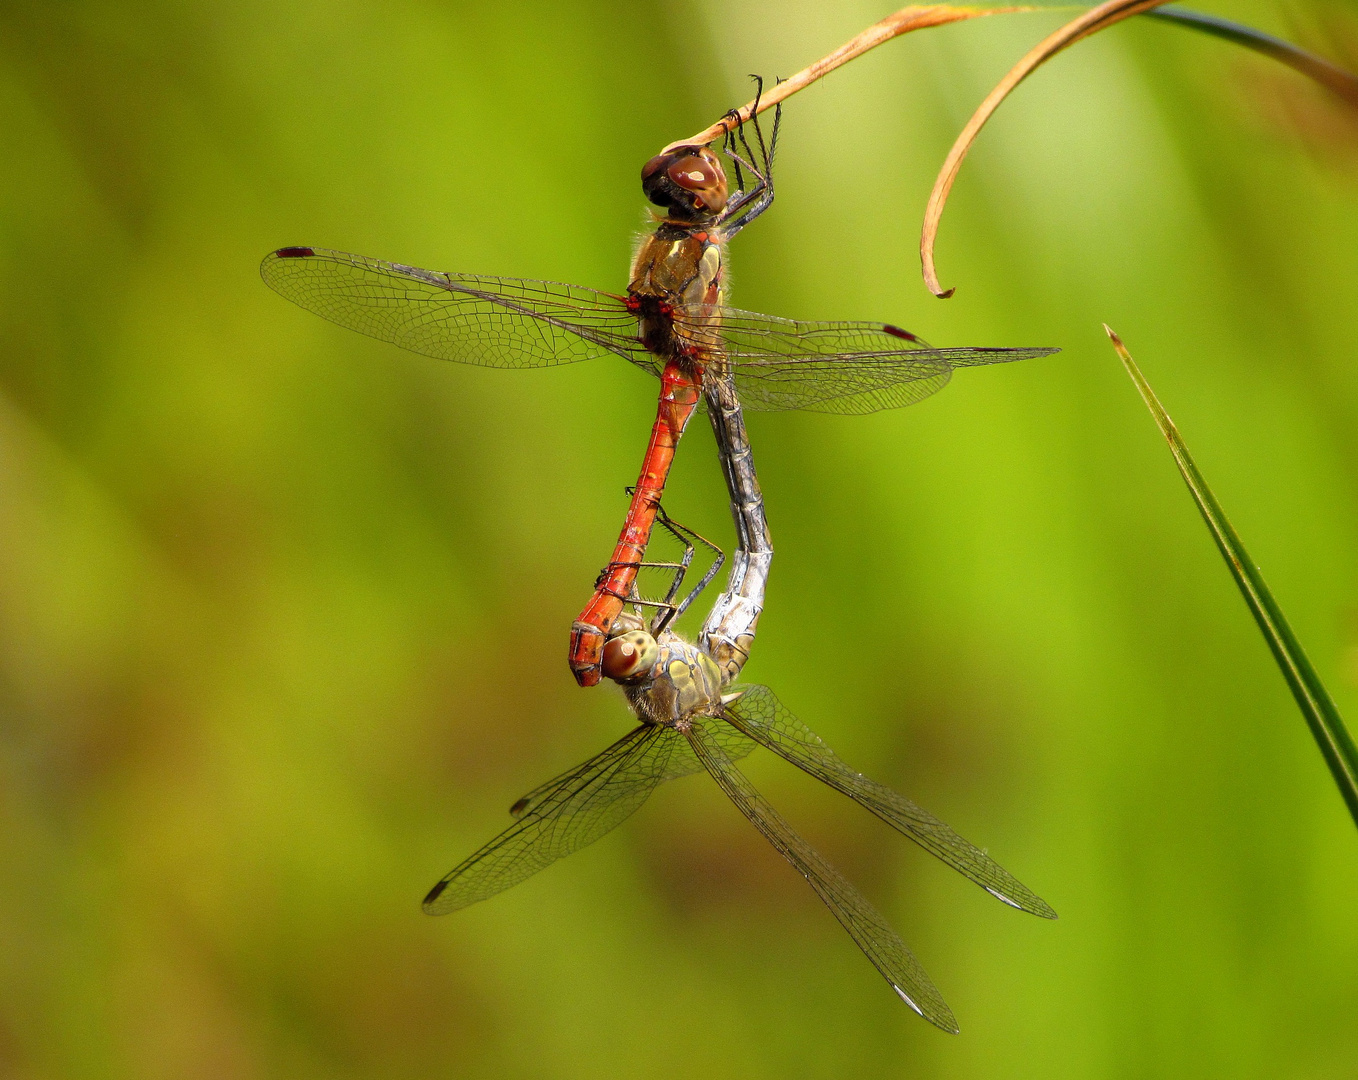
(1326, 725)
(1330, 75)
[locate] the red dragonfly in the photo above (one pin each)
(672, 321)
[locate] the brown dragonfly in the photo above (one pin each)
(672, 321)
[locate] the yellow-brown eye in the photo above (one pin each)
(629, 656)
(701, 174)
(626, 620)
(693, 173)
(686, 180)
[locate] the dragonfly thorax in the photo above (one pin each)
(677, 265)
(676, 277)
(680, 683)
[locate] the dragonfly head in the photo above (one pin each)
(630, 655)
(688, 181)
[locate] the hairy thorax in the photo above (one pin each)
(683, 683)
(676, 282)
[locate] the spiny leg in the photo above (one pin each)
(688, 537)
(667, 608)
(748, 205)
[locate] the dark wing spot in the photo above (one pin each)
(295, 253)
(435, 892)
(519, 807)
(896, 331)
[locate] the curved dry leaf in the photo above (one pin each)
(1342, 83)
(1092, 21)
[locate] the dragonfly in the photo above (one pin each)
(692, 719)
(673, 321)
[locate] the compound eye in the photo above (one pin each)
(693, 173)
(688, 181)
(653, 166)
(701, 174)
(629, 655)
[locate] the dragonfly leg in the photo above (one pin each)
(669, 607)
(728, 145)
(688, 537)
(735, 136)
(748, 205)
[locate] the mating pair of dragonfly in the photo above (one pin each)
(673, 322)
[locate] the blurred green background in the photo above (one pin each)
(283, 611)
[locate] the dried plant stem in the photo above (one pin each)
(921, 16)
(1341, 82)
(915, 17)
(1319, 711)
(1090, 22)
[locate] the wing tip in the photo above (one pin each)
(939, 1014)
(1029, 902)
(430, 900)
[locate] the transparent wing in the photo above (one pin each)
(759, 714)
(837, 367)
(865, 925)
(734, 744)
(489, 321)
(841, 367)
(569, 813)
(682, 762)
